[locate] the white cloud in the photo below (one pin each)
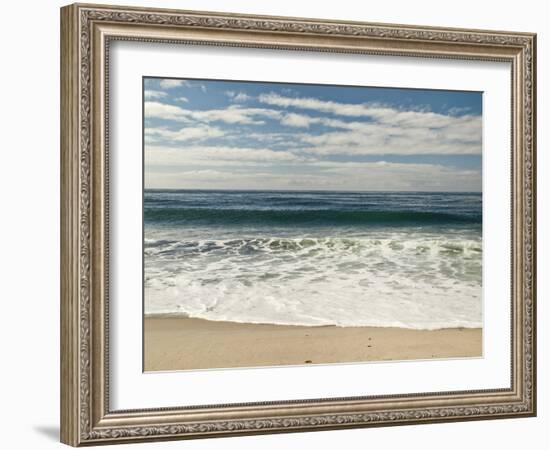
(215, 155)
(151, 94)
(456, 110)
(164, 111)
(384, 114)
(205, 174)
(249, 173)
(171, 84)
(342, 109)
(462, 138)
(234, 114)
(297, 120)
(288, 140)
(199, 132)
(178, 155)
(241, 97)
(387, 130)
(383, 175)
(238, 96)
(401, 133)
(381, 113)
(207, 179)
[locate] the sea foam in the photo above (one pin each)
(421, 281)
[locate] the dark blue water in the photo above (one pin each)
(303, 209)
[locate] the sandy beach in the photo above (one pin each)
(172, 343)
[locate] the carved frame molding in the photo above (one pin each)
(86, 32)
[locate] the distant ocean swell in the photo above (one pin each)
(304, 217)
(345, 259)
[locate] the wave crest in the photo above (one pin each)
(212, 217)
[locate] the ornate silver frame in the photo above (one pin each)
(86, 32)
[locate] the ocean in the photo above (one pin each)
(387, 259)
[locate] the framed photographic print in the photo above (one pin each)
(294, 224)
(268, 221)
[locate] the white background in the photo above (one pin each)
(132, 389)
(30, 223)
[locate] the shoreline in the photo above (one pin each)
(178, 315)
(179, 343)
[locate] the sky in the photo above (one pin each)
(213, 134)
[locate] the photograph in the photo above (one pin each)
(302, 224)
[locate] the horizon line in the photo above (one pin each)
(307, 190)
